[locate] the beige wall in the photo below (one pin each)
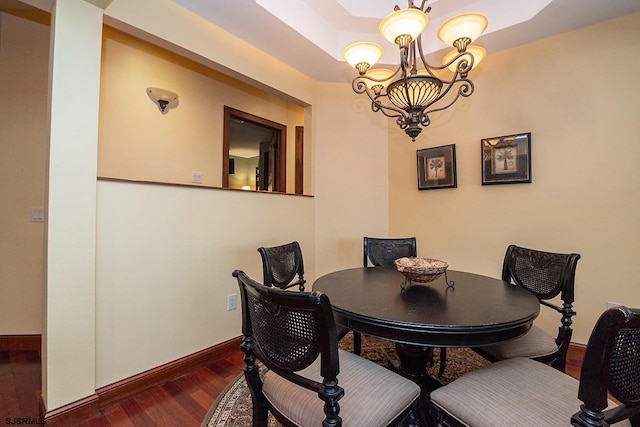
(351, 176)
(578, 95)
(138, 142)
(164, 260)
(171, 250)
(68, 339)
(24, 53)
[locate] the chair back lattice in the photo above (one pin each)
(281, 264)
(286, 336)
(382, 252)
(611, 365)
(546, 274)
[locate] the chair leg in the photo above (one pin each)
(443, 361)
(357, 343)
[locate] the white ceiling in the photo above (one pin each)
(310, 35)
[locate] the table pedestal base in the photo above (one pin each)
(414, 362)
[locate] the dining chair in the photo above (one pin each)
(310, 381)
(546, 275)
(382, 252)
(281, 265)
(523, 392)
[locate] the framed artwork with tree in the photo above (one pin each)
(437, 167)
(506, 159)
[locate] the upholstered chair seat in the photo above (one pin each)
(524, 392)
(534, 344)
(360, 378)
(514, 392)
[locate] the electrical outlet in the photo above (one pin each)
(196, 177)
(232, 300)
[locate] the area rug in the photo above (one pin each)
(233, 406)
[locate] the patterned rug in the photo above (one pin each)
(233, 406)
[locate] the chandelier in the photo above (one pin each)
(416, 88)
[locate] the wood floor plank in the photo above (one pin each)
(136, 414)
(224, 368)
(203, 398)
(116, 416)
(26, 366)
(185, 400)
(209, 381)
(178, 414)
(160, 415)
(13, 381)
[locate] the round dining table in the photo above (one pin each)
(458, 309)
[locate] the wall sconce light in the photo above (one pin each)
(164, 98)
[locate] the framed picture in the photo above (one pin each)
(437, 167)
(506, 159)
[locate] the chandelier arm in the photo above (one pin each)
(383, 111)
(428, 68)
(465, 90)
(384, 108)
(414, 63)
(465, 66)
(360, 87)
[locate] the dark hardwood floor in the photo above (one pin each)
(183, 402)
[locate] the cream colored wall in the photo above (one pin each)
(164, 260)
(168, 24)
(138, 142)
(24, 53)
(68, 341)
(167, 249)
(351, 177)
(578, 95)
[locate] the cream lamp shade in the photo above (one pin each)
(478, 53)
(366, 53)
(402, 23)
(469, 25)
(381, 76)
(163, 97)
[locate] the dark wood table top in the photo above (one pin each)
(478, 310)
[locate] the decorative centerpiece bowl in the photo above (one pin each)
(421, 270)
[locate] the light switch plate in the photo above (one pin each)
(232, 301)
(37, 214)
